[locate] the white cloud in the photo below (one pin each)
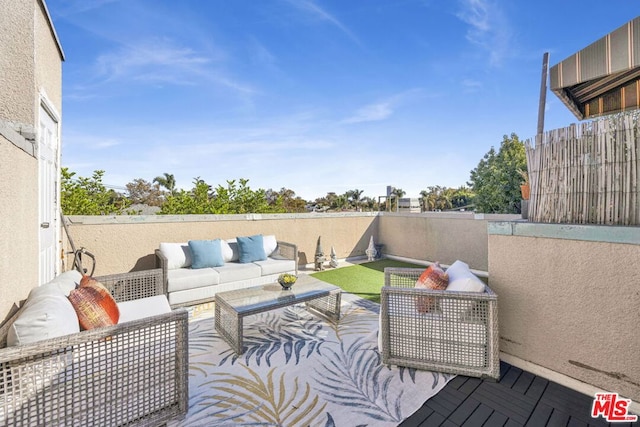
(371, 113)
(488, 28)
(156, 60)
(315, 10)
(470, 85)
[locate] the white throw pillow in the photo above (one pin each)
(461, 279)
(270, 244)
(178, 255)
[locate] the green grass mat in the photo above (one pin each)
(364, 280)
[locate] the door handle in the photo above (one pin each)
(44, 225)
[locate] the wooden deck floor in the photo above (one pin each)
(518, 399)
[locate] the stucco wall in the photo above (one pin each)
(18, 228)
(17, 88)
(442, 237)
(570, 304)
(48, 64)
(30, 63)
(128, 243)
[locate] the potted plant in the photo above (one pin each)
(524, 187)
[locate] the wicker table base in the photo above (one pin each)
(231, 307)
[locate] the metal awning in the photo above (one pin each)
(604, 77)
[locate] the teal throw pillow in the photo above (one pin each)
(206, 253)
(251, 249)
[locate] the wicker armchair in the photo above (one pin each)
(133, 373)
(458, 335)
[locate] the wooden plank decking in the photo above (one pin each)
(519, 398)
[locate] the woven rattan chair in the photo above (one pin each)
(458, 335)
(133, 373)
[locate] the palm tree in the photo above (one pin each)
(355, 195)
(398, 193)
(167, 181)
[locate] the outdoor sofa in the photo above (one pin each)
(241, 263)
(458, 334)
(132, 373)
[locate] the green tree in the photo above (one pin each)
(144, 192)
(496, 180)
(397, 194)
(234, 198)
(88, 196)
(167, 181)
(354, 197)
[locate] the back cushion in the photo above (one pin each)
(462, 279)
(270, 244)
(178, 255)
(47, 314)
(230, 250)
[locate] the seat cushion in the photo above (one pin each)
(188, 278)
(276, 266)
(233, 271)
(143, 307)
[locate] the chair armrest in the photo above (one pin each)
(127, 374)
(401, 277)
(289, 251)
(163, 263)
(134, 285)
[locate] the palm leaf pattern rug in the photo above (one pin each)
(300, 370)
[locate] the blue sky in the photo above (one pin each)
(311, 95)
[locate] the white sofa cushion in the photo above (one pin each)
(178, 255)
(143, 307)
(187, 278)
(233, 271)
(461, 279)
(227, 252)
(270, 244)
(231, 252)
(276, 266)
(65, 282)
(47, 314)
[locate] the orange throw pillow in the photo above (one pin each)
(94, 304)
(435, 278)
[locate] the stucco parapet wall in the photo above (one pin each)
(453, 215)
(590, 233)
(154, 219)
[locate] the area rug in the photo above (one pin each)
(301, 370)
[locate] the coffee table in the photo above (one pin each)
(232, 306)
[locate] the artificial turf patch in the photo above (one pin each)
(364, 280)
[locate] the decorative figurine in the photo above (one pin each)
(319, 258)
(371, 250)
(334, 259)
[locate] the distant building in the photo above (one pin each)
(604, 77)
(409, 205)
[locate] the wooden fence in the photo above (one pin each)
(587, 173)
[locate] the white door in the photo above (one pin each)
(48, 148)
